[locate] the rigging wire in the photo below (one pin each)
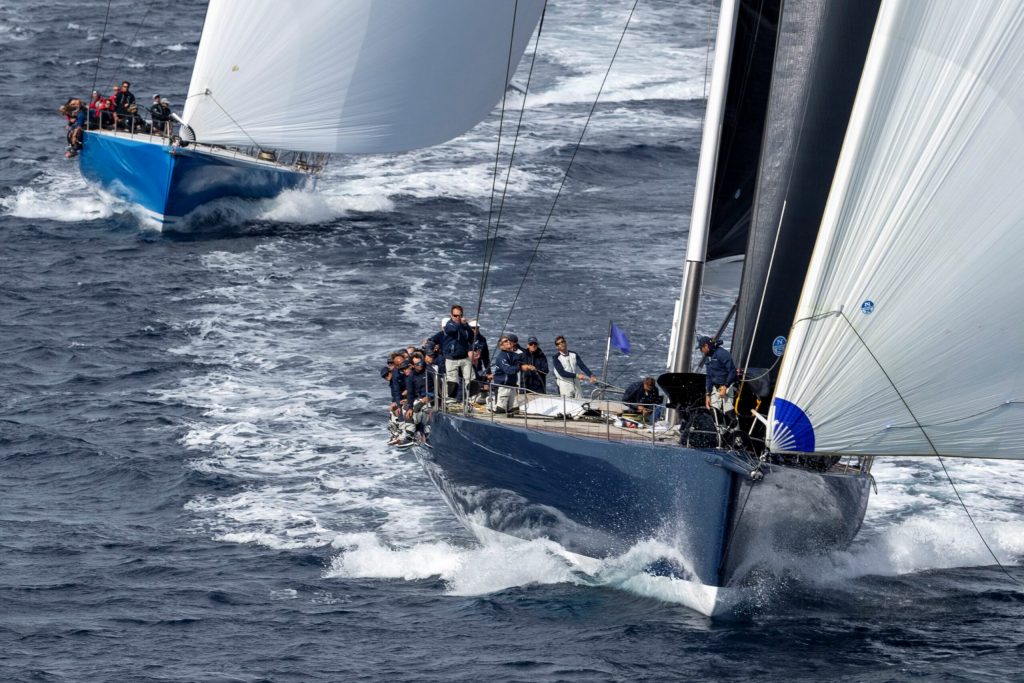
(924, 433)
(490, 240)
(132, 41)
(99, 54)
(244, 131)
(565, 176)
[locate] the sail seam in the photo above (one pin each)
(924, 433)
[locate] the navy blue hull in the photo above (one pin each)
(598, 498)
(170, 182)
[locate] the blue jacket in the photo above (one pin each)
(480, 344)
(720, 368)
(397, 384)
(416, 387)
(506, 368)
(636, 396)
(457, 337)
(535, 380)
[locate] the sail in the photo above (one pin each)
(740, 146)
(909, 337)
(818, 64)
(352, 75)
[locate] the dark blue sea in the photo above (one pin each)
(194, 480)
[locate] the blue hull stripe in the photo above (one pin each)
(170, 182)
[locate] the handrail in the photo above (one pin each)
(605, 419)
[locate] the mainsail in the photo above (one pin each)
(351, 76)
(817, 66)
(909, 334)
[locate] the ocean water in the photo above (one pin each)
(194, 481)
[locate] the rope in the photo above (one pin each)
(132, 41)
(490, 242)
(99, 54)
(565, 176)
(244, 132)
(927, 438)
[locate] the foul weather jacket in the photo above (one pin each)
(536, 380)
(636, 395)
(721, 370)
(457, 337)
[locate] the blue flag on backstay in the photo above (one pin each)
(619, 339)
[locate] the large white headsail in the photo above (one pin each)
(909, 336)
(352, 75)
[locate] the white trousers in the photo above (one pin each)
(569, 389)
(453, 368)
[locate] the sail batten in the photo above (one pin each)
(353, 76)
(919, 249)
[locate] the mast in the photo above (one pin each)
(685, 319)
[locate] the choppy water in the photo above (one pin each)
(194, 484)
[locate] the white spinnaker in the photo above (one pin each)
(924, 228)
(352, 75)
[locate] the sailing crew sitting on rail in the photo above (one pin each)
(396, 382)
(75, 112)
(99, 117)
(720, 385)
(457, 338)
(643, 397)
(569, 370)
(418, 396)
(507, 365)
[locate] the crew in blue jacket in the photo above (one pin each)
(643, 397)
(457, 339)
(720, 385)
(507, 365)
(535, 380)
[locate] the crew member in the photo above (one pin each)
(720, 385)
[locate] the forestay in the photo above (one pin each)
(909, 335)
(352, 75)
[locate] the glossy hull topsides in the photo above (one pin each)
(169, 182)
(598, 498)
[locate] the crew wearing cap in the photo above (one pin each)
(535, 380)
(507, 365)
(720, 384)
(160, 116)
(480, 344)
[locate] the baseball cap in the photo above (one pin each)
(532, 340)
(473, 323)
(513, 338)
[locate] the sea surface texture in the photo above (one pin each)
(194, 480)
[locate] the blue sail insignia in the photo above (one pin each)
(792, 430)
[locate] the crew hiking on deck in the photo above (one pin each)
(118, 112)
(456, 361)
